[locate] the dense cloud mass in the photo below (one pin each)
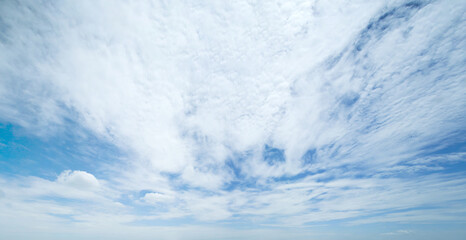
(232, 119)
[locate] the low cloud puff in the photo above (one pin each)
(78, 179)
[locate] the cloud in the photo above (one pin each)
(398, 232)
(78, 179)
(266, 113)
(69, 184)
(176, 99)
(156, 198)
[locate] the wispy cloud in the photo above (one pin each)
(398, 232)
(280, 113)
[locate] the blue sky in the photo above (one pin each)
(232, 119)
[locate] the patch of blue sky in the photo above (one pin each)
(25, 154)
(349, 99)
(273, 155)
(293, 178)
(449, 154)
(389, 19)
(235, 163)
(240, 181)
(456, 142)
(310, 156)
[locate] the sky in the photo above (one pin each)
(325, 120)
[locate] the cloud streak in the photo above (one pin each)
(287, 114)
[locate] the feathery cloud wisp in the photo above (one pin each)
(288, 114)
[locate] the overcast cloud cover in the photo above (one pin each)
(233, 119)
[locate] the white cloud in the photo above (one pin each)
(69, 184)
(184, 89)
(213, 81)
(78, 179)
(156, 198)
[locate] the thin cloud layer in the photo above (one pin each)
(232, 119)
